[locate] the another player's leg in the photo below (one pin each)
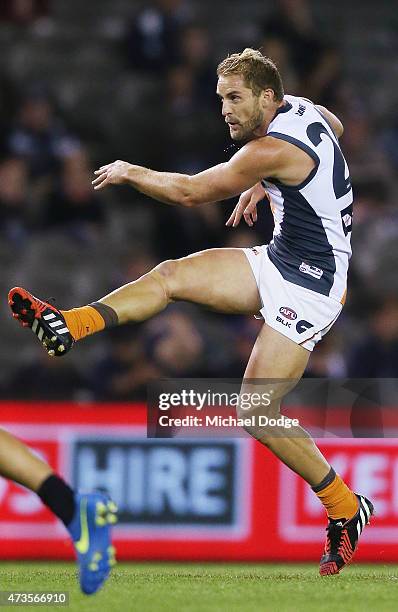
(86, 516)
(275, 356)
(220, 279)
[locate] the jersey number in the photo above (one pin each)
(341, 185)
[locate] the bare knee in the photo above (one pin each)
(247, 409)
(259, 418)
(166, 274)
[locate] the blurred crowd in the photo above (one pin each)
(67, 235)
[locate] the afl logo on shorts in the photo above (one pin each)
(288, 313)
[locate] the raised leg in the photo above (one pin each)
(220, 279)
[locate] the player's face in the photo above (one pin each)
(242, 110)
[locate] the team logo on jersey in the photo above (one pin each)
(287, 312)
(311, 270)
(301, 110)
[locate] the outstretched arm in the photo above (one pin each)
(246, 168)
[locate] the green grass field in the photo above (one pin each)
(218, 588)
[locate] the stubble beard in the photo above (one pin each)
(250, 126)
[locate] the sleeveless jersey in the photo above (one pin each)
(313, 220)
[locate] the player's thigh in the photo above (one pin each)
(220, 279)
(276, 364)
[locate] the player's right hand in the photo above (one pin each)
(247, 206)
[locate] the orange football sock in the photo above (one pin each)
(83, 321)
(339, 501)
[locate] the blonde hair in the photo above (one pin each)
(258, 71)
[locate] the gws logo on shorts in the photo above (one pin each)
(311, 270)
(288, 313)
(302, 326)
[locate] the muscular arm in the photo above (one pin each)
(247, 167)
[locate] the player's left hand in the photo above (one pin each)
(115, 173)
(247, 206)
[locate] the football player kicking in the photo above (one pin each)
(87, 516)
(290, 155)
